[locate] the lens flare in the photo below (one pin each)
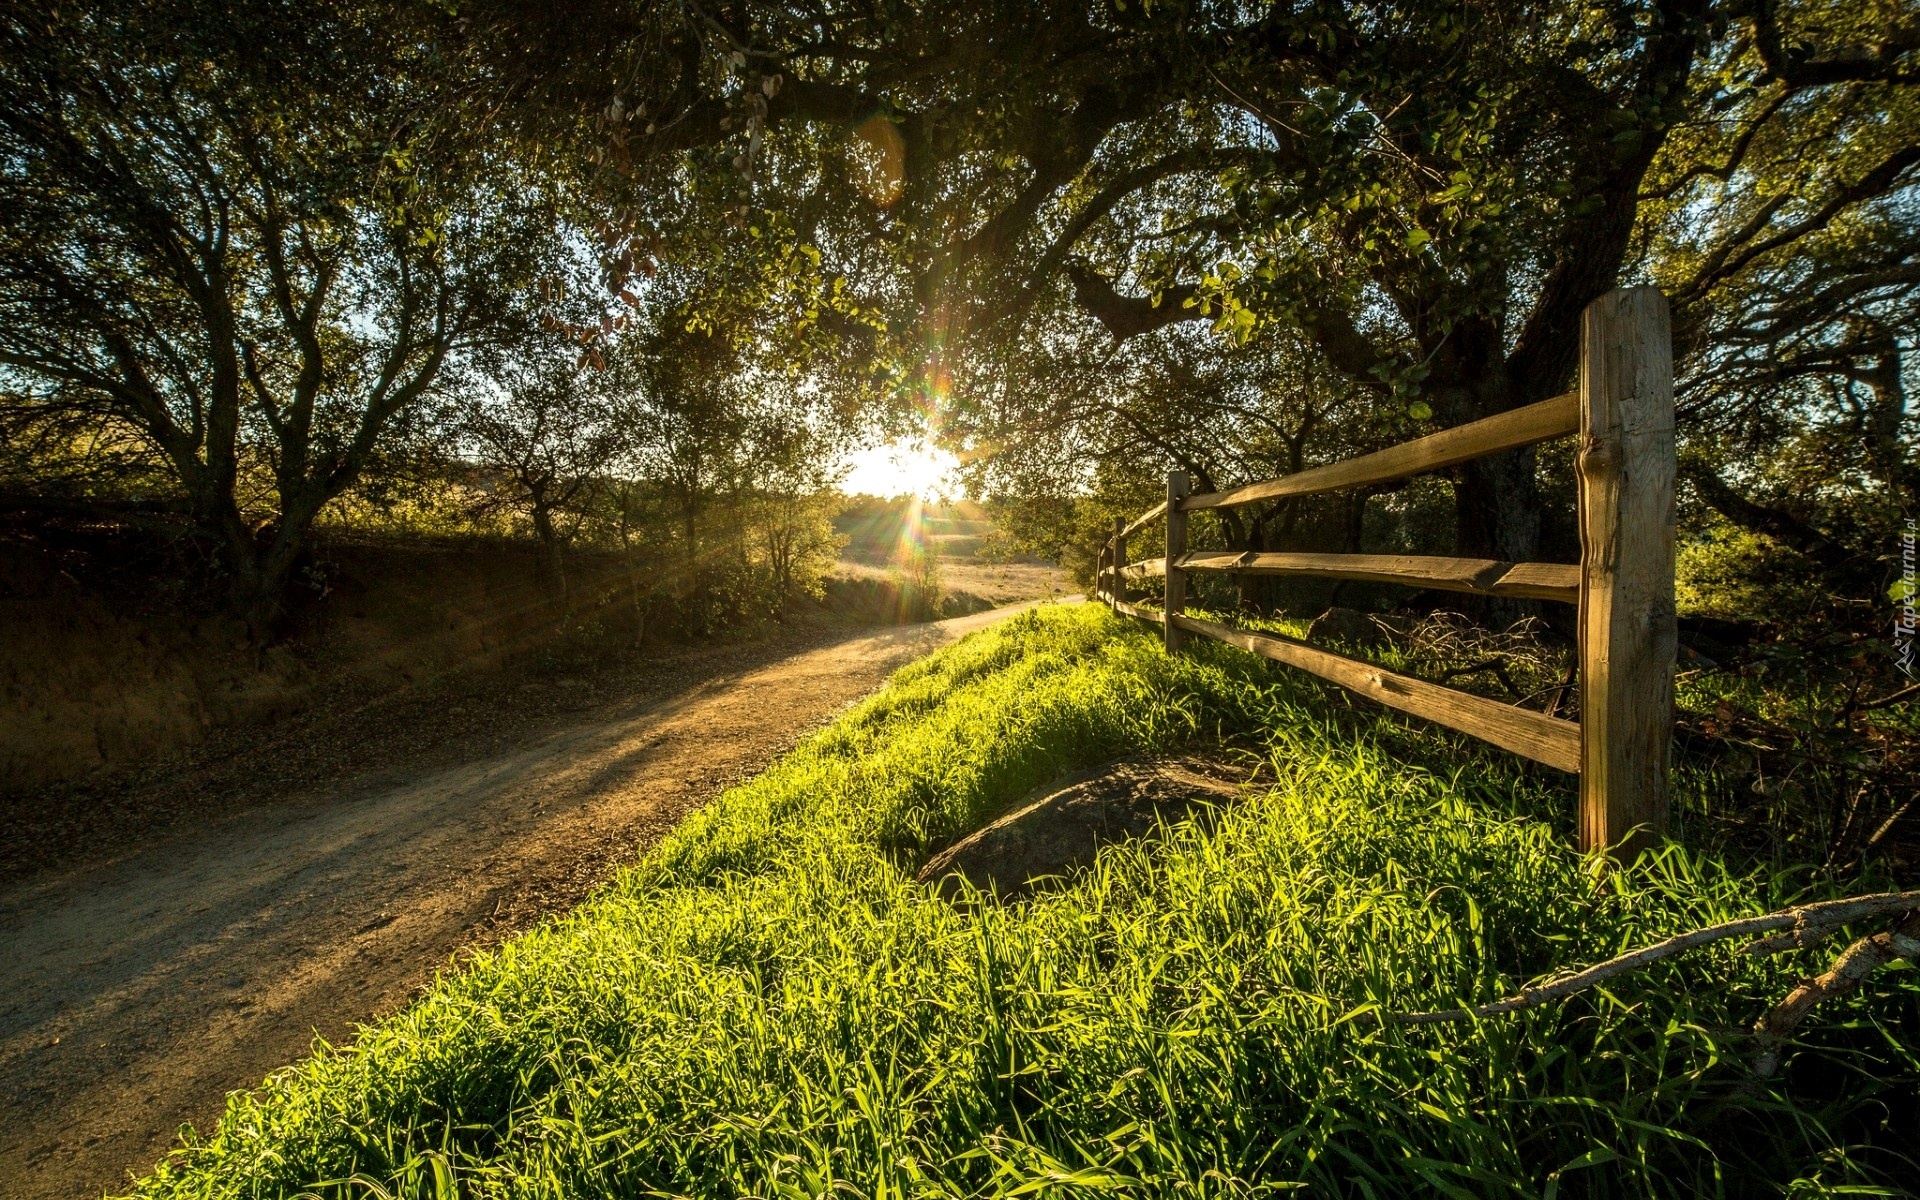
(900, 468)
(880, 160)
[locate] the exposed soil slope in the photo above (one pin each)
(1039, 839)
(145, 984)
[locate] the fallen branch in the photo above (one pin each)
(1887, 825)
(1804, 926)
(1855, 963)
(1496, 665)
(1905, 693)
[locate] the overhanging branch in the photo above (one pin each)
(1128, 316)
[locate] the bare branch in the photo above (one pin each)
(1810, 923)
(1852, 968)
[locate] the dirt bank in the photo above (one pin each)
(112, 658)
(150, 979)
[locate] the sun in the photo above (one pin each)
(902, 468)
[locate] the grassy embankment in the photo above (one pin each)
(768, 1005)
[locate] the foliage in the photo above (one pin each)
(1082, 241)
(797, 540)
(248, 240)
(1224, 415)
(1732, 574)
(768, 1005)
(1425, 195)
(543, 432)
(916, 571)
(1415, 201)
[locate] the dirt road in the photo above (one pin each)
(142, 987)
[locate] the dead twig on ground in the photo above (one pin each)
(1904, 693)
(1561, 689)
(1887, 825)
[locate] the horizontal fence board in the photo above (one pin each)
(1519, 730)
(1134, 610)
(1413, 570)
(1146, 518)
(1504, 431)
(1529, 734)
(1541, 581)
(1481, 576)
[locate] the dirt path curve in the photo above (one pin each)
(140, 990)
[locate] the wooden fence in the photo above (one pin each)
(1623, 584)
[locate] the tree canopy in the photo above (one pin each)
(253, 238)
(1078, 240)
(1426, 195)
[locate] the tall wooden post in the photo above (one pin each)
(1627, 632)
(1101, 585)
(1177, 488)
(1119, 559)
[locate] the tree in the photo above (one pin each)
(792, 499)
(689, 406)
(546, 431)
(1796, 277)
(1431, 196)
(252, 238)
(1117, 414)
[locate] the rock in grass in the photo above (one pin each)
(1050, 836)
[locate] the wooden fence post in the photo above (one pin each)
(1119, 559)
(1627, 631)
(1177, 489)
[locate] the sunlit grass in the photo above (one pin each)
(768, 1005)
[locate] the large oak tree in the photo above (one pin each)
(1428, 193)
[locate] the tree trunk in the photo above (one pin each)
(1884, 417)
(257, 593)
(552, 555)
(1497, 508)
(260, 561)
(1496, 499)
(780, 552)
(693, 586)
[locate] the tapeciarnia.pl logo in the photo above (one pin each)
(1904, 622)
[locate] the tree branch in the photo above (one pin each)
(1807, 925)
(1128, 316)
(1731, 257)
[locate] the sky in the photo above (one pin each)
(902, 468)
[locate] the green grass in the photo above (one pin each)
(767, 1005)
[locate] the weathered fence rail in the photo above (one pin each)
(1623, 584)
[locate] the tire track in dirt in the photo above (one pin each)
(142, 989)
